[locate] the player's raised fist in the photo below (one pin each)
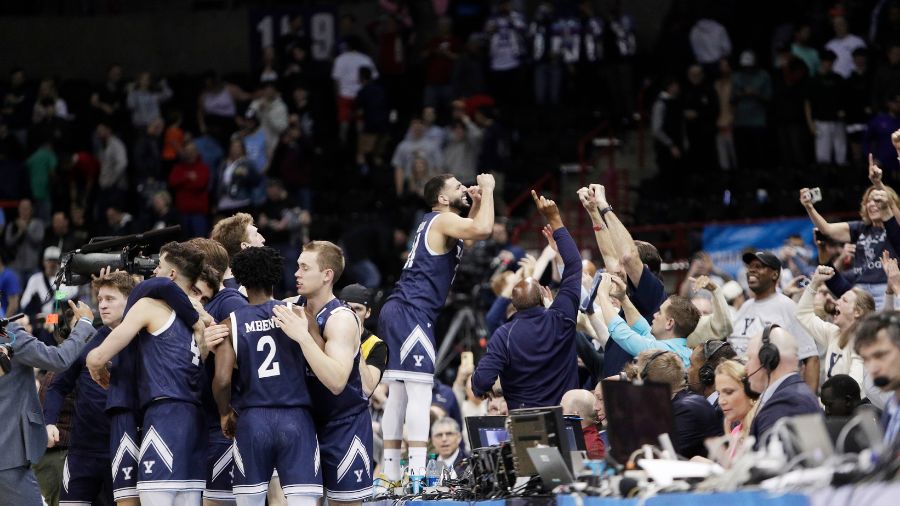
(485, 182)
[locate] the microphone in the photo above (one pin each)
(884, 381)
(746, 382)
(760, 368)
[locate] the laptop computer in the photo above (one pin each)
(550, 467)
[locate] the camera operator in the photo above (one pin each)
(22, 433)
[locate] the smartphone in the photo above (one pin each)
(467, 358)
(587, 305)
(815, 195)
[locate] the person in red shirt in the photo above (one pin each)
(189, 181)
(580, 403)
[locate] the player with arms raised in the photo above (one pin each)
(406, 322)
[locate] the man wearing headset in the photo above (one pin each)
(878, 343)
(772, 372)
(694, 419)
(702, 371)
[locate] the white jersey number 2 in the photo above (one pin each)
(269, 367)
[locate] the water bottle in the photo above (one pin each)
(416, 480)
(433, 471)
(404, 478)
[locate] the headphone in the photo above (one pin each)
(646, 368)
(707, 372)
(769, 356)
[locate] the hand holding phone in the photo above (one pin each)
(815, 195)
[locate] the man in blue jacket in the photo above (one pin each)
(878, 343)
(534, 353)
(772, 371)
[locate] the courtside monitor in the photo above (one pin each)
(532, 427)
(486, 431)
(636, 415)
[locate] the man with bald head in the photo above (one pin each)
(580, 403)
(534, 353)
(772, 371)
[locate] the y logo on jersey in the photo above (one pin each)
(417, 336)
(357, 449)
(126, 445)
(153, 440)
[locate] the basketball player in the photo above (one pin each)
(236, 233)
(272, 425)
(172, 455)
(328, 334)
(407, 319)
(219, 302)
(122, 406)
(86, 469)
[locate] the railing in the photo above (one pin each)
(548, 183)
(613, 178)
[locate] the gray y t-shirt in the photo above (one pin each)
(755, 314)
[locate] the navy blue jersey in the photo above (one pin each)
(122, 392)
(90, 426)
(169, 364)
(271, 366)
(352, 400)
(231, 283)
(426, 278)
(226, 301)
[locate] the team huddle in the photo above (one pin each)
(201, 386)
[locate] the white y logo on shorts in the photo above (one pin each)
(127, 472)
(148, 466)
(417, 336)
(358, 473)
(418, 359)
(357, 449)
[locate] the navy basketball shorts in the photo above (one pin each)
(346, 447)
(219, 467)
(124, 444)
(267, 439)
(173, 448)
(84, 476)
(410, 340)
